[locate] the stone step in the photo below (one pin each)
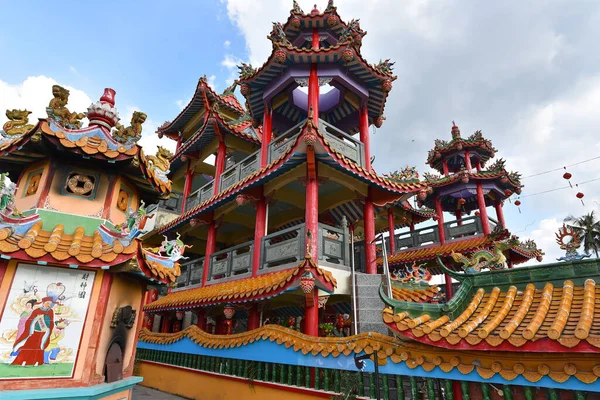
(370, 327)
(370, 303)
(367, 279)
(368, 291)
(370, 316)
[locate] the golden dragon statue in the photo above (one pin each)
(132, 133)
(493, 259)
(17, 123)
(57, 108)
(162, 160)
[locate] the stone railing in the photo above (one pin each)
(239, 171)
(200, 195)
(191, 273)
(233, 261)
(343, 143)
(282, 143)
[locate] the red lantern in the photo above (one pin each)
(307, 283)
(539, 258)
(517, 203)
(477, 213)
(508, 192)
(279, 56)
(332, 20)
(348, 55)
(422, 195)
(579, 195)
(567, 176)
(461, 202)
(229, 311)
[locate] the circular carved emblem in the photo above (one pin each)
(34, 183)
(123, 200)
(80, 184)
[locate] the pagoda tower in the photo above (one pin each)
(73, 273)
(291, 185)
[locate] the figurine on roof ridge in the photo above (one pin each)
(569, 240)
(407, 173)
(7, 197)
(132, 133)
(493, 259)
(278, 36)
(246, 70)
(57, 109)
(17, 123)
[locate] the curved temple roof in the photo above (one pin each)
(544, 308)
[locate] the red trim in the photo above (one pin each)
(47, 185)
(260, 229)
(187, 186)
(219, 165)
(266, 136)
(468, 166)
(21, 255)
(311, 215)
(293, 389)
(311, 315)
(102, 304)
(110, 194)
(500, 214)
(544, 345)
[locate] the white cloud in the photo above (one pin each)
(227, 43)
(73, 70)
(181, 104)
(544, 236)
(212, 81)
(230, 62)
(35, 93)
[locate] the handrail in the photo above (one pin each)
(231, 254)
(337, 130)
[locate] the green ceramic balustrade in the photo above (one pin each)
(392, 386)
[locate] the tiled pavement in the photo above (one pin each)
(145, 393)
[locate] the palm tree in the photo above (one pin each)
(589, 228)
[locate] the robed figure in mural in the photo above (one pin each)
(30, 345)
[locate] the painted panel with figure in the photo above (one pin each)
(43, 321)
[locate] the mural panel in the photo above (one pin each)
(42, 322)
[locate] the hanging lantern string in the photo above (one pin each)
(560, 168)
(560, 188)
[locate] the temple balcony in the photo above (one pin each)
(279, 250)
(429, 237)
(341, 142)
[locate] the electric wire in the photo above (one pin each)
(561, 168)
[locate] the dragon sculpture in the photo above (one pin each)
(481, 259)
(246, 70)
(353, 34)
(278, 35)
(384, 67)
(57, 109)
(413, 274)
(406, 174)
(7, 197)
(569, 240)
(161, 160)
(296, 8)
(173, 249)
(17, 123)
(132, 133)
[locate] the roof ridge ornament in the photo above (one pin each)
(17, 123)
(58, 111)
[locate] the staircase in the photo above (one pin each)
(369, 304)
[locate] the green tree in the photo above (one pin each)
(589, 228)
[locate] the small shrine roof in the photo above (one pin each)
(247, 289)
(204, 93)
(539, 309)
(476, 142)
(79, 241)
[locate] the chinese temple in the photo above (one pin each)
(306, 274)
(73, 272)
(313, 276)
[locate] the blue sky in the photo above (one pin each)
(152, 53)
(526, 73)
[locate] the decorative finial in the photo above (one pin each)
(103, 112)
(315, 10)
(455, 131)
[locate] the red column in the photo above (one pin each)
(187, 186)
(369, 228)
(201, 320)
(211, 241)
(266, 135)
(313, 80)
(219, 166)
(363, 123)
(253, 317)
(165, 323)
(260, 229)
(311, 215)
(468, 166)
(179, 141)
(150, 296)
(459, 218)
(391, 229)
(500, 214)
(457, 390)
(445, 167)
(482, 210)
(311, 316)
(412, 226)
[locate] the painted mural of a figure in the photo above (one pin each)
(53, 347)
(30, 345)
(24, 315)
